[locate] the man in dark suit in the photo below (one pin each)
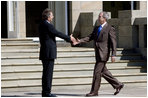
(104, 38)
(48, 50)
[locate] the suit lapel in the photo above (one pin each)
(104, 27)
(96, 33)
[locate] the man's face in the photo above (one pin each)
(50, 17)
(101, 19)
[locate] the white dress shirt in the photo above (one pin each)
(103, 24)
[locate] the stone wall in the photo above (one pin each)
(132, 29)
(127, 26)
(83, 15)
(141, 24)
(115, 23)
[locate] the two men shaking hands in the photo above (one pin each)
(104, 37)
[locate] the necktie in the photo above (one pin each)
(99, 30)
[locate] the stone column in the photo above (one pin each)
(143, 5)
(16, 19)
(11, 19)
(21, 19)
(59, 9)
(60, 16)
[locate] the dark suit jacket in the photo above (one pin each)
(47, 35)
(106, 40)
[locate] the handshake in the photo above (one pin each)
(74, 41)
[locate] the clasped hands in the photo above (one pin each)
(74, 41)
(77, 41)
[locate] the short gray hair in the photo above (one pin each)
(46, 14)
(105, 15)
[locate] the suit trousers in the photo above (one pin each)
(47, 75)
(100, 70)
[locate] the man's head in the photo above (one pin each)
(103, 17)
(47, 15)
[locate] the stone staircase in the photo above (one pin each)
(22, 71)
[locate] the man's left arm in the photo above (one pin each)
(113, 43)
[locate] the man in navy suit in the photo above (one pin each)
(48, 50)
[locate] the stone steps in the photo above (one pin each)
(75, 89)
(37, 75)
(9, 46)
(14, 40)
(21, 68)
(121, 62)
(74, 54)
(64, 60)
(140, 62)
(69, 81)
(77, 65)
(71, 59)
(66, 75)
(59, 49)
(24, 69)
(59, 55)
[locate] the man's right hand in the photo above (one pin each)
(72, 38)
(113, 59)
(74, 41)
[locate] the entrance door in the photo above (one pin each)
(34, 11)
(4, 19)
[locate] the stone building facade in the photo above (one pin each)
(20, 19)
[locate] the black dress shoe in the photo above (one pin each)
(118, 89)
(91, 94)
(48, 95)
